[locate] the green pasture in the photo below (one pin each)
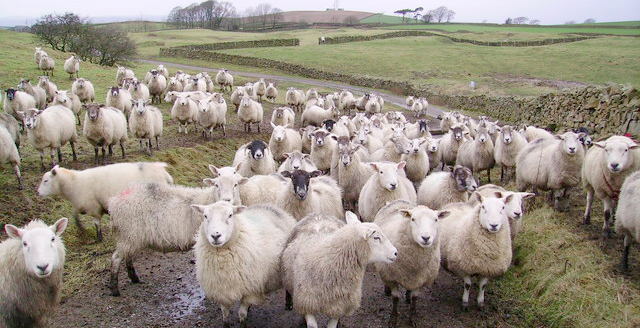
(479, 28)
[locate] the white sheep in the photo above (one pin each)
(307, 134)
(450, 144)
(295, 98)
(324, 269)
(365, 137)
(138, 90)
(409, 101)
(433, 152)
(256, 159)
(37, 54)
(513, 207)
(89, 190)
(250, 111)
(159, 216)
(47, 64)
(9, 153)
(413, 230)
(36, 91)
(70, 100)
(419, 129)
(236, 96)
(627, 218)
(283, 116)
(394, 149)
(315, 115)
(272, 92)
(441, 188)
(163, 71)
(237, 254)
(447, 121)
(420, 107)
(347, 101)
(105, 127)
(260, 88)
(174, 85)
(475, 242)
(123, 73)
(145, 122)
(417, 161)
(310, 192)
(508, 145)
(185, 111)
(373, 106)
(323, 147)
(385, 185)
(72, 66)
(605, 167)
(13, 127)
(49, 87)
(31, 269)
(352, 174)
(157, 86)
(551, 165)
(119, 98)
(53, 128)
(196, 84)
(172, 96)
(477, 154)
(532, 133)
(212, 113)
(296, 160)
(84, 90)
(224, 79)
(17, 101)
(283, 140)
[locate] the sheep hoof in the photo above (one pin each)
(226, 325)
(587, 220)
(480, 306)
(243, 324)
(465, 306)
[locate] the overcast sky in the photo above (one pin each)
(476, 11)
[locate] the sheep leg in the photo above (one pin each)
(407, 296)
(96, 153)
(609, 205)
(124, 155)
(224, 133)
(412, 310)
(225, 316)
(288, 301)
(157, 143)
(53, 156)
(489, 175)
(625, 252)
(311, 321)
(96, 222)
(243, 312)
(16, 170)
(81, 230)
(465, 294)
(481, 286)
(42, 160)
(104, 157)
(393, 319)
(110, 150)
(131, 271)
(73, 151)
(333, 323)
(587, 210)
(116, 259)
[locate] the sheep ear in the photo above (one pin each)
(526, 195)
(286, 174)
(214, 170)
(405, 213)
(401, 165)
(13, 231)
(208, 181)
(478, 197)
(239, 209)
(198, 208)
(600, 144)
(443, 214)
(315, 173)
(498, 194)
(273, 126)
(634, 146)
(366, 232)
(374, 166)
(243, 181)
(53, 170)
(334, 137)
(59, 226)
(351, 218)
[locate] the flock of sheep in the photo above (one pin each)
(309, 209)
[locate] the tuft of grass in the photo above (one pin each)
(562, 279)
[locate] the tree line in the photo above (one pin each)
(222, 15)
(439, 15)
(104, 45)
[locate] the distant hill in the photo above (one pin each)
(329, 16)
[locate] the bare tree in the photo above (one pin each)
(450, 14)
(440, 13)
(589, 21)
(59, 31)
(416, 13)
(275, 17)
(508, 21)
(534, 22)
(428, 17)
(403, 12)
(262, 12)
(520, 20)
(350, 20)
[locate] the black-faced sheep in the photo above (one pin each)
(310, 192)
(256, 159)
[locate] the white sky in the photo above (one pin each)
(493, 11)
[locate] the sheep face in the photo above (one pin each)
(617, 154)
(225, 187)
(40, 247)
(423, 223)
(49, 183)
(492, 215)
(246, 101)
(457, 133)
(482, 135)
(218, 221)
(61, 97)
(79, 83)
(416, 145)
(279, 132)
(203, 105)
(318, 138)
(432, 145)
(217, 97)
(279, 112)
(402, 144)
(256, 149)
(422, 126)
(381, 249)
(30, 118)
(328, 125)
(346, 154)
(11, 93)
(571, 142)
(139, 106)
(300, 181)
(387, 173)
(514, 206)
(464, 179)
(506, 134)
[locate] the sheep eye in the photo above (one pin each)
(24, 243)
(53, 239)
(376, 238)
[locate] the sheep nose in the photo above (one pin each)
(614, 166)
(572, 149)
(392, 186)
(517, 215)
(494, 227)
(215, 236)
(227, 199)
(42, 268)
(425, 239)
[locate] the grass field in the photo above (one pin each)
(564, 276)
(518, 29)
